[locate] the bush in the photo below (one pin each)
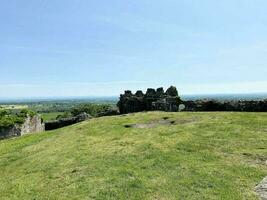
(7, 118)
(91, 109)
(3, 113)
(64, 115)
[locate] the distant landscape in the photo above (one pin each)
(114, 99)
(133, 100)
(51, 108)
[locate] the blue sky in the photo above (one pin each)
(101, 47)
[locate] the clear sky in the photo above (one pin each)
(101, 47)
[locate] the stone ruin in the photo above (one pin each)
(153, 100)
(226, 105)
(32, 124)
(51, 125)
(170, 101)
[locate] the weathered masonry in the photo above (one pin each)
(153, 100)
(32, 124)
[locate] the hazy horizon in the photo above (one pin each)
(229, 96)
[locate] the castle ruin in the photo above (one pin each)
(152, 100)
(32, 124)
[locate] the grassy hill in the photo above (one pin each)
(195, 156)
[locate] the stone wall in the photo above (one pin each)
(108, 112)
(234, 105)
(151, 100)
(8, 132)
(66, 121)
(32, 124)
(170, 101)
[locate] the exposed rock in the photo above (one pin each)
(261, 189)
(32, 124)
(109, 112)
(8, 132)
(82, 117)
(152, 100)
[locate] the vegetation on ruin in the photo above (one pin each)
(198, 156)
(8, 118)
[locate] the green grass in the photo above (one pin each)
(50, 116)
(202, 156)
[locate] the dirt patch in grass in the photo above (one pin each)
(165, 118)
(255, 159)
(186, 121)
(164, 121)
(151, 124)
(128, 125)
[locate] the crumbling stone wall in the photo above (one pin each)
(8, 132)
(66, 121)
(151, 100)
(32, 124)
(233, 105)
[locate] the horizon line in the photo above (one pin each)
(117, 96)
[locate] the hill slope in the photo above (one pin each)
(191, 156)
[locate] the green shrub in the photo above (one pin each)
(3, 113)
(26, 112)
(92, 109)
(7, 118)
(64, 115)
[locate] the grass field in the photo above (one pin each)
(13, 107)
(50, 116)
(197, 156)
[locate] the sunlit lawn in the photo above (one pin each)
(200, 156)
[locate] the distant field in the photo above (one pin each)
(152, 155)
(50, 116)
(15, 107)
